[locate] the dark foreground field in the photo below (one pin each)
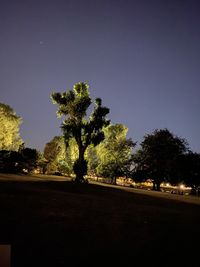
(64, 224)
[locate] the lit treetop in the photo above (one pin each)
(73, 105)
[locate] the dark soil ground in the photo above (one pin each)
(65, 224)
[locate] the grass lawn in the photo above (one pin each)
(60, 223)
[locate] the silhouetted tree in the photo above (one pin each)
(29, 157)
(139, 172)
(159, 151)
(188, 170)
(10, 161)
(74, 104)
(18, 161)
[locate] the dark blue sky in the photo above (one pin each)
(141, 57)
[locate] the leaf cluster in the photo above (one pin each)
(9, 133)
(73, 105)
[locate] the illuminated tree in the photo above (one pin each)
(55, 149)
(42, 163)
(55, 154)
(60, 158)
(115, 153)
(9, 131)
(92, 159)
(73, 105)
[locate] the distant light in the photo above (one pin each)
(167, 184)
(182, 186)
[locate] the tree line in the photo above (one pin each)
(91, 144)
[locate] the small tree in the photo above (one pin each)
(42, 163)
(115, 153)
(54, 151)
(74, 104)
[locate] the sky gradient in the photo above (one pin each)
(141, 57)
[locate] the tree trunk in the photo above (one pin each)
(114, 179)
(158, 186)
(154, 185)
(79, 168)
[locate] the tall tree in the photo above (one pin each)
(115, 153)
(73, 105)
(157, 156)
(9, 131)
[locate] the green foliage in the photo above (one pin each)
(55, 149)
(92, 159)
(42, 163)
(60, 158)
(9, 132)
(159, 152)
(115, 152)
(73, 105)
(71, 155)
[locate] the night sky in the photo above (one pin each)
(141, 57)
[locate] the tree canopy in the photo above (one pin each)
(115, 152)
(73, 105)
(54, 152)
(9, 133)
(60, 158)
(23, 160)
(158, 154)
(188, 170)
